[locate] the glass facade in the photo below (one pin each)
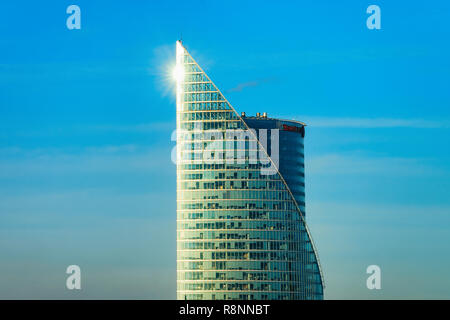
(241, 232)
(291, 152)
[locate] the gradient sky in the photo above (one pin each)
(86, 118)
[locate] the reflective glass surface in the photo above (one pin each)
(240, 231)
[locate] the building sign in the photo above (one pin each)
(294, 129)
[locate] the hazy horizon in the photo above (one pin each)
(86, 118)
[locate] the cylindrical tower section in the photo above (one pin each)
(291, 151)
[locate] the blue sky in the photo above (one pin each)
(86, 118)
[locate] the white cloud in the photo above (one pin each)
(347, 122)
(356, 163)
(16, 162)
(249, 84)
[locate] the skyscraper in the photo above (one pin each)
(241, 231)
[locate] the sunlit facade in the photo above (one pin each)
(241, 232)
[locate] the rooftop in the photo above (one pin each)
(263, 116)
